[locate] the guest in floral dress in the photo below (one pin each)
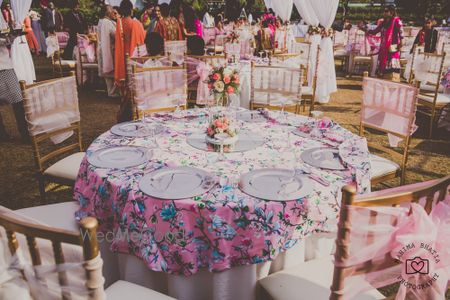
(168, 26)
(391, 42)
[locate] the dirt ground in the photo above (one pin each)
(18, 185)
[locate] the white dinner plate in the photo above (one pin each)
(251, 116)
(119, 157)
(324, 158)
(176, 183)
(136, 129)
(276, 184)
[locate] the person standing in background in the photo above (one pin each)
(208, 20)
(168, 27)
(106, 43)
(8, 14)
(10, 92)
(427, 37)
(52, 19)
(75, 24)
(146, 17)
(391, 43)
(192, 25)
(31, 38)
(37, 30)
(129, 34)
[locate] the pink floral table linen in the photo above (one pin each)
(225, 227)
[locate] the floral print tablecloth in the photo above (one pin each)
(225, 227)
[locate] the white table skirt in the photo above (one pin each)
(236, 283)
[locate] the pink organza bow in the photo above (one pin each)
(203, 93)
(420, 242)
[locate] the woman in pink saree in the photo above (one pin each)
(391, 42)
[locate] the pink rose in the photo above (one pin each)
(218, 123)
(226, 79)
(236, 79)
(230, 90)
(210, 131)
(216, 76)
(210, 86)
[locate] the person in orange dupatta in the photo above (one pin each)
(31, 38)
(129, 34)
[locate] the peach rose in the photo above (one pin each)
(236, 79)
(218, 123)
(230, 90)
(216, 76)
(227, 79)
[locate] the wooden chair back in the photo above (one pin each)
(383, 100)
(270, 83)
(192, 61)
(44, 100)
(433, 192)
(86, 238)
(158, 89)
(432, 73)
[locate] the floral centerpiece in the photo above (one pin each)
(223, 81)
(221, 130)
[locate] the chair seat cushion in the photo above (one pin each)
(365, 59)
(307, 90)
(441, 98)
(340, 52)
(124, 290)
(66, 168)
(69, 63)
(309, 280)
(90, 66)
(60, 215)
(381, 166)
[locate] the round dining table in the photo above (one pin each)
(223, 229)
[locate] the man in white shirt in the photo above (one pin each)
(208, 20)
(10, 92)
(106, 42)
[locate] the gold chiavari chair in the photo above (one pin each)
(320, 278)
(52, 113)
(360, 57)
(276, 87)
(61, 66)
(309, 88)
(16, 225)
(85, 65)
(431, 100)
(383, 99)
(157, 89)
(191, 64)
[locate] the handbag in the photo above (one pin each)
(393, 48)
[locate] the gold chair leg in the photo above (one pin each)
(41, 182)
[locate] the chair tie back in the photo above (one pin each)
(51, 106)
(389, 106)
(160, 88)
(84, 279)
(388, 245)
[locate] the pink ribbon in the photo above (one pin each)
(203, 93)
(420, 242)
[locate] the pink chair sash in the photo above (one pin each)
(52, 106)
(160, 89)
(400, 233)
(390, 106)
(63, 39)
